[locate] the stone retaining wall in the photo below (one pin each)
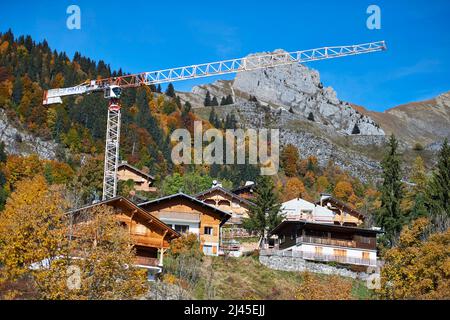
(299, 264)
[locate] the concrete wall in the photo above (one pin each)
(329, 250)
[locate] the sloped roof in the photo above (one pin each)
(135, 170)
(245, 187)
(342, 205)
(324, 225)
(223, 214)
(122, 202)
(223, 190)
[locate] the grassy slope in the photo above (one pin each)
(246, 278)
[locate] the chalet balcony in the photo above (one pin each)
(147, 261)
(327, 241)
(319, 257)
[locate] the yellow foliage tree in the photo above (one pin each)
(417, 269)
(18, 168)
(105, 257)
(343, 190)
(322, 184)
(32, 235)
(63, 259)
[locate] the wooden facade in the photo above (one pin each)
(247, 191)
(226, 201)
(345, 214)
(187, 214)
(151, 236)
(142, 181)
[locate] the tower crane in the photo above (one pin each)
(112, 88)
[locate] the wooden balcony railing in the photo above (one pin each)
(327, 241)
(319, 257)
(146, 261)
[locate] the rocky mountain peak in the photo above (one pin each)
(299, 90)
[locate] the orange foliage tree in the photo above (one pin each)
(289, 160)
(294, 188)
(417, 268)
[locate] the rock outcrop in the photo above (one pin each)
(297, 89)
(19, 142)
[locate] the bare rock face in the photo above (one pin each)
(298, 89)
(20, 142)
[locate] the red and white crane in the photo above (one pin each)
(112, 88)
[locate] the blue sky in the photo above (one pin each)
(151, 35)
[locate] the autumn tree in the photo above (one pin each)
(41, 244)
(265, 215)
(390, 217)
(343, 190)
(315, 287)
(322, 184)
(183, 263)
(33, 238)
(289, 160)
(417, 269)
(294, 188)
(105, 257)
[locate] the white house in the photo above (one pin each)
(300, 209)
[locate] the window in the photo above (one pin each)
(209, 231)
(181, 228)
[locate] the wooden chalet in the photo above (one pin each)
(150, 235)
(142, 181)
(325, 242)
(227, 201)
(187, 214)
(344, 214)
(246, 191)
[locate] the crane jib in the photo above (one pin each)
(112, 88)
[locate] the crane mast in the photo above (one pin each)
(112, 88)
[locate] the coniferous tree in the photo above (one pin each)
(214, 102)
(229, 99)
(311, 117)
(223, 101)
(159, 89)
(207, 102)
(170, 91)
(17, 90)
(390, 217)
(266, 214)
(356, 129)
(438, 191)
